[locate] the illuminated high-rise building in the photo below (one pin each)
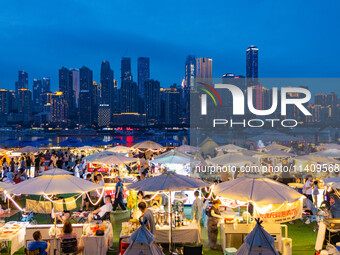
(4, 101)
(86, 95)
(252, 65)
(37, 91)
(46, 81)
(59, 108)
(129, 89)
(320, 99)
(22, 82)
(204, 69)
(332, 99)
(152, 101)
(66, 86)
(143, 71)
(25, 104)
(172, 105)
(75, 86)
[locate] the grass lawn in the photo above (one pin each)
(302, 235)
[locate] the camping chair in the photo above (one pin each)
(107, 216)
(35, 252)
(69, 246)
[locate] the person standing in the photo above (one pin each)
(308, 188)
(60, 162)
(197, 209)
(37, 165)
(119, 196)
(214, 217)
(147, 216)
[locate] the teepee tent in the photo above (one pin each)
(258, 242)
(142, 242)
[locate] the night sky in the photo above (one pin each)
(295, 38)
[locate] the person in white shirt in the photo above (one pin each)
(307, 189)
(100, 212)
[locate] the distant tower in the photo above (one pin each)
(129, 89)
(190, 72)
(25, 104)
(37, 91)
(252, 65)
(204, 69)
(143, 70)
(46, 84)
(86, 100)
(152, 99)
(66, 87)
(22, 82)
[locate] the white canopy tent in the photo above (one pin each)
(120, 149)
(329, 146)
(148, 145)
(276, 146)
(114, 160)
(28, 149)
(332, 153)
(229, 148)
(232, 159)
(187, 149)
(56, 171)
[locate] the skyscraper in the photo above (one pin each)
(172, 106)
(86, 97)
(190, 72)
(152, 99)
(129, 89)
(320, 99)
(66, 87)
(75, 84)
(22, 82)
(143, 70)
(252, 65)
(332, 99)
(58, 108)
(37, 91)
(106, 80)
(25, 104)
(46, 81)
(4, 101)
(204, 69)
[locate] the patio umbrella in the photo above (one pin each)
(96, 142)
(56, 171)
(120, 149)
(28, 149)
(317, 158)
(331, 180)
(71, 143)
(229, 148)
(188, 149)
(174, 157)
(5, 185)
(257, 189)
(168, 182)
(232, 158)
(11, 142)
(332, 153)
(276, 146)
(31, 143)
(86, 147)
(53, 184)
(43, 141)
(329, 146)
(275, 153)
(114, 160)
(170, 141)
(99, 155)
(148, 145)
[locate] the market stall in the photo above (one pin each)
(12, 236)
(274, 203)
(167, 183)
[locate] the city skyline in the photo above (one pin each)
(301, 41)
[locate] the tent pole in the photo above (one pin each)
(55, 233)
(170, 222)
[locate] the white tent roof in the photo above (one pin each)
(148, 145)
(114, 160)
(99, 155)
(257, 189)
(86, 147)
(169, 181)
(53, 184)
(313, 157)
(4, 185)
(232, 158)
(276, 146)
(56, 171)
(174, 157)
(329, 146)
(120, 149)
(277, 153)
(332, 153)
(28, 149)
(188, 149)
(229, 148)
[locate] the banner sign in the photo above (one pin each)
(281, 213)
(99, 167)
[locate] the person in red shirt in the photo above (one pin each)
(16, 179)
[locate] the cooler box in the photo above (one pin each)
(229, 251)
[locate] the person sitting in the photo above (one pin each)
(38, 244)
(68, 234)
(100, 212)
(16, 179)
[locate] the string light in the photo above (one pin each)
(99, 199)
(10, 198)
